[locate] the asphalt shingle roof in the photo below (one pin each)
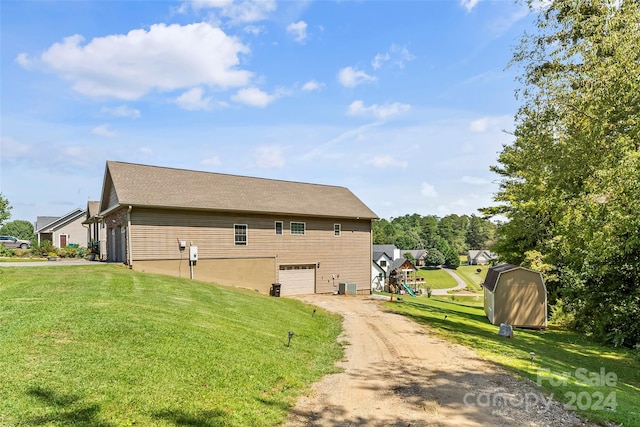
(154, 186)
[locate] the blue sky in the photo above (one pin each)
(404, 103)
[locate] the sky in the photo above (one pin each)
(406, 103)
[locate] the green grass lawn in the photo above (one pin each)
(106, 346)
(436, 278)
(578, 372)
(473, 279)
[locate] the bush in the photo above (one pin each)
(6, 252)
(44, 249)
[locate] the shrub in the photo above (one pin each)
(44, 249)
(6, 252)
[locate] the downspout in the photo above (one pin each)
(129, 248)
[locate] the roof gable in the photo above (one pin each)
(152, 186)
(60, 221)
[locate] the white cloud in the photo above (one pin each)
(428, 190)
(386, 161)
(192, 100)
(255, 30)
(237, 11)
(12, 148)
(164, 58)
(474, 180)
(270, 156)
(298, 30)
(469, 4)
(479, 126)
(211, 161)
(379, 59)
(122, 111)
(312, 85)
(254, 97)
(103, 130)
(381, 112)
(350, 77)
(397, 55)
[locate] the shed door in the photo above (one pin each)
(297, 279)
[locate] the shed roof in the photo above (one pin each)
(154, 186)
(493, 273)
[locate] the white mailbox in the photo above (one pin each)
(193, 253)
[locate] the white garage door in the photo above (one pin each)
(297, 279)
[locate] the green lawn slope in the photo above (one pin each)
(106, 346)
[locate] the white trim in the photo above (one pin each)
(338, 229)
(304, 228)
(246, 235)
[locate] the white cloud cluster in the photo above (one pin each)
(312, 85)
(238, 12)
(474, 180)
(396, 55)
(164, 58)
(254, 97)
(469, 4)
(351, 77)
(298, 30)
(193, 100)
(381, 112)
(103, 130)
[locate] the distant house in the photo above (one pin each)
(516, 296)
(249, 232)
(62, 231)
(389, 250)
(419, 255)
(479, 257)
(96, 230)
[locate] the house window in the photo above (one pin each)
(383, 263)
(240, 231)
(278, 228)
(336, 230)
(297, 228)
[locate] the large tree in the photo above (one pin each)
(570, 180)
(20, 229)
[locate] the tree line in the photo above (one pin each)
(570, 181)
(451, 236)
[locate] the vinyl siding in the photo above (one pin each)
(155, 234)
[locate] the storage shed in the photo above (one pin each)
(516, 296)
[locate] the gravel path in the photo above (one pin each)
(398, 374)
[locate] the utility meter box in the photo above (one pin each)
(193, 253)
(182, 245)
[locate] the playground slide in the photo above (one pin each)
(408, 289)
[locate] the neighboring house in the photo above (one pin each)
(390, 250)
(96, 230)
(477, 257)
(516, 296)
(418, 254)
(380, 267)
(249, 232)
(62, 231)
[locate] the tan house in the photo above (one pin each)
(96, 230)
(249, 232)
(516, 296)
(62, 231)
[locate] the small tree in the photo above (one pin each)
(5, 209)
(433, 258)
(409, 256)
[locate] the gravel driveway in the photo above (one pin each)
(398, 374)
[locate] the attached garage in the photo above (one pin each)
(516, 296)
(297, 279)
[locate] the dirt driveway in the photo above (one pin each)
(398, 374)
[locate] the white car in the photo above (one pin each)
(14, 243)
